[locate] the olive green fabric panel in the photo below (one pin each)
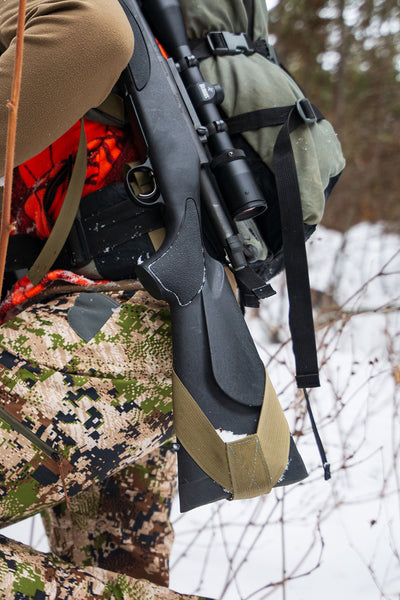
(224, 15)
(260, 20)
(252, 83)
(253, 481)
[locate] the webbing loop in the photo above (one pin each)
(248, 467)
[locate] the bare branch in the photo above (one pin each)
(12, 105)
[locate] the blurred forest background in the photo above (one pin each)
(346, 55)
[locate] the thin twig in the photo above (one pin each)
(283, 545)
(12, 105)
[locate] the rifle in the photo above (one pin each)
(219, 380)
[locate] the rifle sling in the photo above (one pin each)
(247, 467)
(66, 217)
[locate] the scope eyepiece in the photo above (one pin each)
(239, 189)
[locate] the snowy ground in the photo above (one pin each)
(330, 540)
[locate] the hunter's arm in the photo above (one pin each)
(74, 53)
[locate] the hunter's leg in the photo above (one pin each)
(101, 406)
(27, 574)
(121, 524)
(74, 412)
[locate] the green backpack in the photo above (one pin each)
(246, 67)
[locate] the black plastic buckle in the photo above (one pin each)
(306, 111)
(224, 43)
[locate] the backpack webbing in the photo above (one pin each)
(300, 308)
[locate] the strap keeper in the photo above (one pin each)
(306, 111)
(307, 380)
(224, 43)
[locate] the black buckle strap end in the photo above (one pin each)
(308, 380)
(76, 250)
(224, 43)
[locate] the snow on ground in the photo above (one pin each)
(317, 539)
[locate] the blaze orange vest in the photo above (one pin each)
(42, 181)
(40, 185)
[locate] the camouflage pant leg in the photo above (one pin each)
(85, 391)
(75, 410)
(29, 575)
(121, 524)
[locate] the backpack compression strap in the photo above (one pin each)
(223, 43)
(300, 314)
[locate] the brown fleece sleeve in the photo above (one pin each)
(74, 53)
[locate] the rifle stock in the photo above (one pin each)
(214, 355)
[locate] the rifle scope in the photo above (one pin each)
(241, 194)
